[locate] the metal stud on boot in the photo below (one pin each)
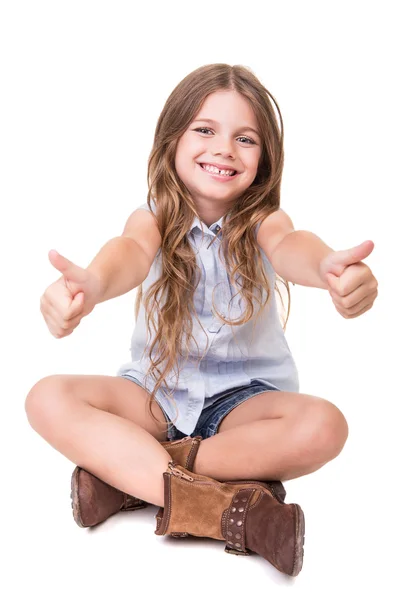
(244, 514)
(93, 501)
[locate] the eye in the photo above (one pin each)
(202, 128)
(248, 139)
(241, 137)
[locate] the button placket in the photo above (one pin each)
(208, 261)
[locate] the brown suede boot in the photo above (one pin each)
(93, 500)
(244, 514)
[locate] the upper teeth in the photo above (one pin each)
(215, 170)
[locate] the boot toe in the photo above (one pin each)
(276, 532)
(93, 500)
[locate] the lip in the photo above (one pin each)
(226, 167)
(221, 178)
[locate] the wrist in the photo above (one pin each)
(98, 285)
(324, 268)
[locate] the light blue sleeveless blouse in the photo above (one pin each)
(236, 354)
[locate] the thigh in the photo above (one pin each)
(277, 404)
(116, 395)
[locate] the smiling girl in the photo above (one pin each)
(208, 352)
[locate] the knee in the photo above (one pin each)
(41, 403)
(329, 430)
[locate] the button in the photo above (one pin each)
(217, 228)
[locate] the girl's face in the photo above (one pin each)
(230, 140)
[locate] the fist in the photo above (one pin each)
(350, 282)
(66, 301)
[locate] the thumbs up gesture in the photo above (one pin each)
(66, 301)
(351, 284)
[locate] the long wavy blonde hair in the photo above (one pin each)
(175, 211)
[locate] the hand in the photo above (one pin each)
(66, 301)
(351, 283)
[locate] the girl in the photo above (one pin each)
(209, 244)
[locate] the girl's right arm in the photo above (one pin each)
(122, 264)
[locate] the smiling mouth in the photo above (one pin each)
(218, 172)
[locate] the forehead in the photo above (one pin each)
(228, 107)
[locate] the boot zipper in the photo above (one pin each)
(182, 475)
(179, 473)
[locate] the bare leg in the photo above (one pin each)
(243, 453)
(114, 449)
(302, 434)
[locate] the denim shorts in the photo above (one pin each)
(211, 417)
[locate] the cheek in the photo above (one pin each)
(251, 168)
(184, 151)
(256, 160)
(251, 159)
(184, 166)
(180, 157)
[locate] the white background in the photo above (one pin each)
(82, 85)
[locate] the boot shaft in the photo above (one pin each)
(244, 514)
(200, 503)
(183, 451)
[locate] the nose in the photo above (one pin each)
(223, 146)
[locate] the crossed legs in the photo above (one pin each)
(101, 424)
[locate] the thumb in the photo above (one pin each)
(338, 261)
(70, 271)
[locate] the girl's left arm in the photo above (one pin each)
(302, 257)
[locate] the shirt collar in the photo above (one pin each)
(213, 229)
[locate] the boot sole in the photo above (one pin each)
(299, 546)
(75, 497)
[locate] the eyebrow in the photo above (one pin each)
(244, 128)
